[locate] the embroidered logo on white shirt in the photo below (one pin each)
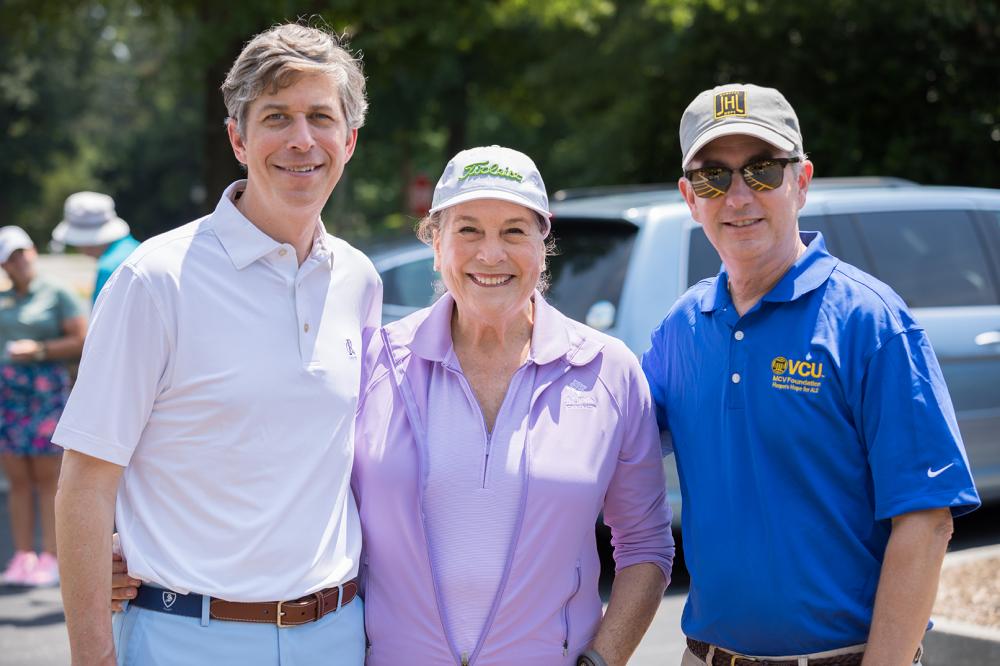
(350, 349)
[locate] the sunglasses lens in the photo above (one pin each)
(764, 175)
(710, 182)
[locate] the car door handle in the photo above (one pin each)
(988, 338)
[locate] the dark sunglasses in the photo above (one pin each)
(760, 176)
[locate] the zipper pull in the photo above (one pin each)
(465, 659)
(565, 648)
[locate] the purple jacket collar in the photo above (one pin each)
(427, 334)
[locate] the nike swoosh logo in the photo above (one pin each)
(932, 473)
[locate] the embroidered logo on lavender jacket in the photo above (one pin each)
(577, 396)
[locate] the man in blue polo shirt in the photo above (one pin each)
(819, 457)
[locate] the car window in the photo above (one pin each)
(590, 264)
(820, 224)
(410, 284)
(848, 245)
(931, 258)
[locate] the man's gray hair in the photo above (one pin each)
(275, 58)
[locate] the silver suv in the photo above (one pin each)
(625, 258)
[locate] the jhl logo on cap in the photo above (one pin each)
(732, 103)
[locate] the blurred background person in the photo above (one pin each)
(91, 225)
(41, 325)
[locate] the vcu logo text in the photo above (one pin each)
(796, 376)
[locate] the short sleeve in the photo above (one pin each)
(123, 370)
(655, 371)
(914, 447)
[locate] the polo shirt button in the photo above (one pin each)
(738, 335)
(282, 252)
(736, 378)
(306, 328)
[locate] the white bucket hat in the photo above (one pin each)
(12, 239)
(89, 218)
(492, 172)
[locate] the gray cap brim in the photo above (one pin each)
(732, 127)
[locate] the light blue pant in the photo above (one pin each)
(145, 637)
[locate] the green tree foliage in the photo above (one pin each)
(123, 96)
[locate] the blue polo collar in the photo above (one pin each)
(808, 272)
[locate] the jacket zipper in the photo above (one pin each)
(487, 433)
(366, 599)
(486, 460)
(565, 611)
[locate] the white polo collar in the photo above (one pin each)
(245, 243)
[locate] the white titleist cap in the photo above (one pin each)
(492, 172)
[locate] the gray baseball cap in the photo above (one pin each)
(739, 108)
(492, 172)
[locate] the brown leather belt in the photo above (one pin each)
(309, 608)
(285, 613)
(724, 658)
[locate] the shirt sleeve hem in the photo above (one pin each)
(960, 501)
(74, 440)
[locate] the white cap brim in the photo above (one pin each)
(12, 248)
(738, 127)
(109, 232)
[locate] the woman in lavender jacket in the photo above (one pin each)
(491, 433)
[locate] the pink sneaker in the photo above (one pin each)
(46, 571)
(20, 568)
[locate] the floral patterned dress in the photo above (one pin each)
(32, 397)
(33, 394)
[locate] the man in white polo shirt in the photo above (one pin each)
(216, 399)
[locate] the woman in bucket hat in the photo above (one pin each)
(91, 224)
(491, 433)
(41, 325)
